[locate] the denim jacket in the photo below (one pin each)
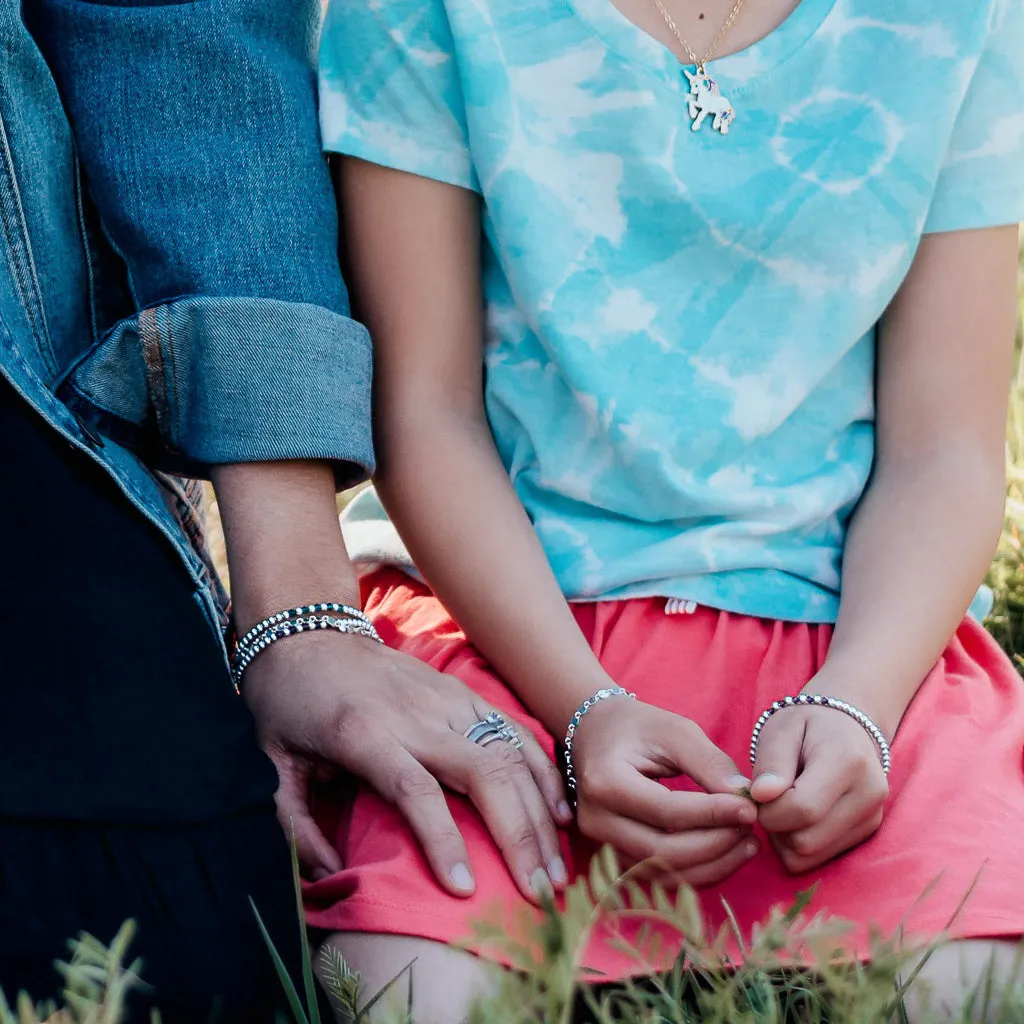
(170, 295)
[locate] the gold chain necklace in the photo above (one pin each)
(704, 99)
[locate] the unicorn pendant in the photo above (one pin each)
(706, 101)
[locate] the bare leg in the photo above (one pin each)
(446, 981)
(953, 972)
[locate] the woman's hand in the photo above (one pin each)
(620, 750)
(820, 785)
(391, 720)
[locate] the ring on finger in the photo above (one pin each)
(492, 728)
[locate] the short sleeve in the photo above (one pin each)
(981, 183)
(390, 91)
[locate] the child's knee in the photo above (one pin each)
(445, 981)
(980, 973)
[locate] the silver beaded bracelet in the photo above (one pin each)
(570, 771)
(817, 700)
(320, 608)
(251, 646)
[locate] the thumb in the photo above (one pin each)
(317, 858)
(709, 766)
(778, 756)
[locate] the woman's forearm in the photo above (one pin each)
(283, 539)
(918, 547)
(470, 537)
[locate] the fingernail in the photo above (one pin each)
(319, 874)
(556, 871)
(739, 782)
(461, 877)
(747, 814)
(564, 810)
(540, 883)
(751, 848)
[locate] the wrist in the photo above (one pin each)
(563, 702)
(255, 597)
(876, 695)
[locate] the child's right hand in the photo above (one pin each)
(621, 748)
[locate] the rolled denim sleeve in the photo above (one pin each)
(196, 126)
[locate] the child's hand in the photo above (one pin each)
(820, 784)
(621, 747)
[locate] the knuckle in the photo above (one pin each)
(691, 731)
(803, 845)
(522, 840)
(350, 720)
(878, 788)
(498, 765)
(793, 862)
(807, 811)
(410, 784)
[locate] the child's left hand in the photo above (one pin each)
(819, 783)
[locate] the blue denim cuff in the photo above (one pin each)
(197, 382)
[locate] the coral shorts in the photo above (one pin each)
(955, 816)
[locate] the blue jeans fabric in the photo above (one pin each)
(170, 296)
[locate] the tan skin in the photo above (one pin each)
(414, 251)
(413, 245)
(334, 703)
(818, 782)
(756, 19)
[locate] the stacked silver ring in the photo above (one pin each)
(491, 729)
(297, 620)
(817, 700)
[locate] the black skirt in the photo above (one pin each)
(131, 785)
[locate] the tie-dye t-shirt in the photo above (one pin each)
(681, 324)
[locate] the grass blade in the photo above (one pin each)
(312, 1003)
(282, 972)
(383, 991)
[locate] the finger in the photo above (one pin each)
(688, 750)
(494, 779)
(407, 784)
(317, 857)
(797, 862)
(850, 812)
(629, 793)
(544, 828)
(662, 852)
(718, 870)
(778, 756)
(546, 776)
(812, 798)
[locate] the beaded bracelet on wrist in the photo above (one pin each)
(570, 771)
(248, 651)
(818, 700)
(320, 608)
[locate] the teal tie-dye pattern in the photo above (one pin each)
(681, 325)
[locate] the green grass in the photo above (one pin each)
(704, 986)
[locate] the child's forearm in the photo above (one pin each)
(472, 540)
(918, 546)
